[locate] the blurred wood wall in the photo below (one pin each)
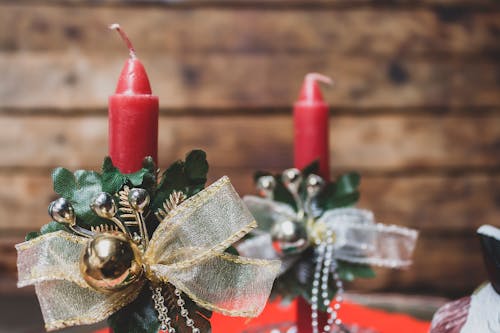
(416, 108)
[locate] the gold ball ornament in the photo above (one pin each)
(111, 261)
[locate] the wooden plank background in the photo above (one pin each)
(416, 107)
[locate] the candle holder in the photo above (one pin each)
(311, 225)
(147, 252)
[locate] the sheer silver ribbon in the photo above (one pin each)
(187, 250)
(358, 238)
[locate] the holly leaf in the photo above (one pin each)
(112, 178)
(349, 271)
(89, 185)
(139, 316)
(312, 168)
(32, 235)
(343, 192)
(196, 167)
(148, 171)
(64, 182)
(189, 177)
(52, 226)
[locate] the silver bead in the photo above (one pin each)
(291, 179)
(289, 237)
(314, 185)
(62, 211)
(138, 199)
(104, 205)
(265, 186)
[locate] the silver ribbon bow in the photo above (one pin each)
(358, 238)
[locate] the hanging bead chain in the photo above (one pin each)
(165, 320)
(322, 271)
(184, 312)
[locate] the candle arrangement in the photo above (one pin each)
(310, 223)
(145, 251)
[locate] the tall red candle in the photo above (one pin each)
(133, 115)
(310, 118)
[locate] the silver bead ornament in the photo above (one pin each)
(314, 185)
(291, 179)
(104, 205)
(289, 237)
(138, 199)
(265, 186)
(62, 212)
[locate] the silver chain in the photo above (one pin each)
(165, 320)
(322, 271)
(159, 300)
(185, 312)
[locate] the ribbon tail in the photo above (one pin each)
(66, 304)
(383, 245)
(231, 285)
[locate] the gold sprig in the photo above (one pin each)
(174, 200)
(127, 213)
(104, 228)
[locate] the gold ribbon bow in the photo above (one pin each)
(186, 250)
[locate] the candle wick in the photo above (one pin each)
(116, 26)
(319, 77)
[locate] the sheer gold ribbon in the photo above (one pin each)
(187, 250)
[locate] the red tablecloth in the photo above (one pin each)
(350, 313)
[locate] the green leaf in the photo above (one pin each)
(52, 226)
(139, 316)
(312, 168)
(112, 178)
(342, 193)
(189, 177)
(349, 271)
(196, 166)
(64, 182)
(32, 235)
(88, 187)
(232, 250)
(347, 184)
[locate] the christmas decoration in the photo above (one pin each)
(311, 225)
(479, 312)
(147, 254)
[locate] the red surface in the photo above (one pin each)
(133, 119)
(310, 119)
(378, 320)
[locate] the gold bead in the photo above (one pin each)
(111, 261)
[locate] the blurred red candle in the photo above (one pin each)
(310, 120)
(133, 115)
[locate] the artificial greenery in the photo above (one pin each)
(297, 280)
(82, 186)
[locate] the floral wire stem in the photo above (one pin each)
(321, 272)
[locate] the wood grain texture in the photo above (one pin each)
(83, 81)
(381, 143)
(357, 31)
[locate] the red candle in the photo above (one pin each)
(310, 118)
(133, 115)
